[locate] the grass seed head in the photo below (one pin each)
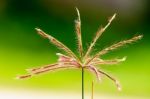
(85, 61)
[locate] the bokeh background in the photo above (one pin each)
(21, 47)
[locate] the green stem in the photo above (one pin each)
(82, 83)
(92, 90)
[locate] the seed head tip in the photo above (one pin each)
(124, 58)
(37, 29)
(118, 86)
(112, 18)
(78, 13)
(58, 54)
(16, 78)
(140, 36)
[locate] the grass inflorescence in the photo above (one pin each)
(83, 61)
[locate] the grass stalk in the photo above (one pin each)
(82, 83)
(92, 95)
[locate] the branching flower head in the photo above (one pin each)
(83, 60)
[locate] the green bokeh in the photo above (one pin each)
(21, 47)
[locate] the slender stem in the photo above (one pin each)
(82, 83)
(92, 90)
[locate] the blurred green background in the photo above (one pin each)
(21, 47)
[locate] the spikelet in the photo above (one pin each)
(78, 33)
(95, 71)
(39, 68)
(98, 34)
(109, 62)
(119, 44)
(24, 76)
(115, 46)
(44, 70)
(111, 78)
(52, 69)
(56, 43)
